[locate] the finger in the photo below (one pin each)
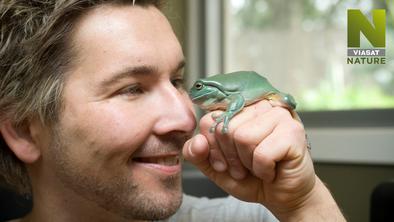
(226, 143)
(250, 112)
(248, 135)
(284, 145)
(216, 157)
(196, 151)
(227, 146)
(269, 118)
(265, 157)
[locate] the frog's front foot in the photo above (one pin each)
(218, 119)
(224, 129)
(212, 128)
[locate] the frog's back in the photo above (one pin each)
(252, 86)
(248, 83)
(238, 77)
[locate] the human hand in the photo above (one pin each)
(263, 158)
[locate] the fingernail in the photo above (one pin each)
(219, 166)
(236, 174)
(190, 148)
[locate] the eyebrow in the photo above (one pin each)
(136, 71)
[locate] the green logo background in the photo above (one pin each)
(357, 23)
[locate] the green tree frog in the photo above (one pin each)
(232, 91)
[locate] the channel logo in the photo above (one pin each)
(374, 31)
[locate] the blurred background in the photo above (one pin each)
(300, 46)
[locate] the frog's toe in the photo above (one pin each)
(215, 116)
(224, 129)
(212, 129)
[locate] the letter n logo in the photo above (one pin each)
(357, 23)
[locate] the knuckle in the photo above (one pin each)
(261, 158)
(263, 164)
(205, 120)
(240, 137)
(296, 128)
(264, 104)
(244, 138)
(281, 112)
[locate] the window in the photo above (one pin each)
(301, 47)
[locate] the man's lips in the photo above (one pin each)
(159, 165)
(165, 160)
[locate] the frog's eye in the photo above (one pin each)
(198, 86)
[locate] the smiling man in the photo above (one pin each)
(94, 118)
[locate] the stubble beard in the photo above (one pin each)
(118, 195)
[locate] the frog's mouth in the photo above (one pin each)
(199, 97)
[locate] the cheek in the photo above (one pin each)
(107, 129)
(115, 123)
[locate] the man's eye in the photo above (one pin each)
(178, 83)
(131, 90)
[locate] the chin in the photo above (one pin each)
(157, 206)
(154, 202)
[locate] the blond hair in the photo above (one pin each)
(35, 53)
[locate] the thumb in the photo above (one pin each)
(196, 151)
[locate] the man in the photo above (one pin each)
(94, 117)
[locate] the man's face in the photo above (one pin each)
(125, 116)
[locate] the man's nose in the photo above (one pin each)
(174, 111)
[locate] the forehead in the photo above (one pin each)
(110, 37)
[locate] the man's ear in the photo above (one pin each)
(20, 141)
